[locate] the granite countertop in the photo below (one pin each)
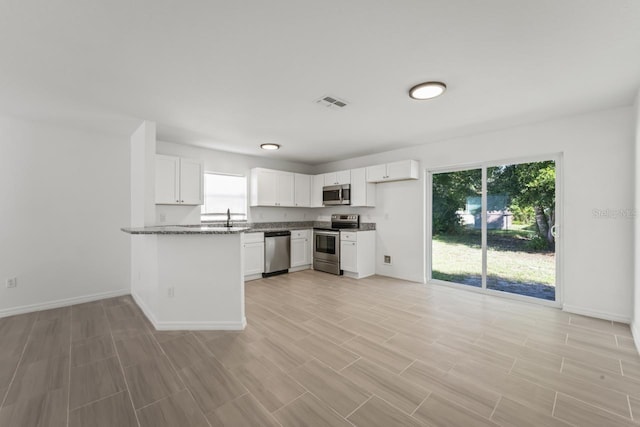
(185, 229)
(219, 228)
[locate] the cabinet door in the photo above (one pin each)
(302, 190)
(330, 178)
(299, 252)
(343, 177)
(405, 169)
(167, 180)
(285, 189)
(253, 258)
(376, 173)
(317, 183)
(308, 251)
(191, 182)
(349, 256)
(265, 188)
(358, 187)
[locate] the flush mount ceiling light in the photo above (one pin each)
(427, 90)
(270, 146)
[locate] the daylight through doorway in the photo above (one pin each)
(493, 228)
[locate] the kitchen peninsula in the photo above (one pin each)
(189, 277)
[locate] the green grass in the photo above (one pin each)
(458, 258)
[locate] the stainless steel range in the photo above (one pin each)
(326, 246)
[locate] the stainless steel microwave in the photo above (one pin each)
(336, 195)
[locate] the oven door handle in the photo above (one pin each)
(327, 233)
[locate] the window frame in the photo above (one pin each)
(222, 216)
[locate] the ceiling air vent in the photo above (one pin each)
(331, 102)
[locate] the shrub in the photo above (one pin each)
(537, 243)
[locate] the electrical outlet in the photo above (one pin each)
(12, 282)
(171, 292)
(163, 217)
(387, 259)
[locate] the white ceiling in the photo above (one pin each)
(233, 74)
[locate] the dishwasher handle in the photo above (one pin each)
(277, 233)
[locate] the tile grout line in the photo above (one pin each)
(157, 400)
(84, 405)
(555, 400)
(630, 410)
(175, 371)
(124, 377)
(359, 357)
(496, 407)
(407, 367)
(15, 372)
(600, 408)
(359, 406)
(290, 402)
(69, 379)
(328, 406)
(419, 404)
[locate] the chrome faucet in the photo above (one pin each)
(228, 218)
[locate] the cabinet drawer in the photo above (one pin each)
(300, 234)
(349, 236)
(253, 237)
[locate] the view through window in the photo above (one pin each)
(222, 192)
(492, 227)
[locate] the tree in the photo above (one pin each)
(529, 185)
(450, 192)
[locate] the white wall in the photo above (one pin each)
(598, 170)
(65, 195)
(231, 163)
(635, 324)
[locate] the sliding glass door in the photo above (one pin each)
(493, 227)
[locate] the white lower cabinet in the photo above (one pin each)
(300, 249)
(358, 253)
(253, 252)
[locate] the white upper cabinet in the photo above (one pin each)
(286, 189)
(363, 193)
(272, 188)
(337, 178)
(317, 182)
(191, 182)
(376, 173)
(167, 180)
(179, 181)
(395, 171)
(302, 190)
(264, 190)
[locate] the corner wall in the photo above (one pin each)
(635, 323)
(65, 195)
(598, 174)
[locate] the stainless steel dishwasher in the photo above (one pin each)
(277, 252)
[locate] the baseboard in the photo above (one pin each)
(595, 313)
(300, 268)
(191, 326)
(201, 326)
(145, 309)
(252, 277)
(356, 275)
(636, 335)
(61, 303)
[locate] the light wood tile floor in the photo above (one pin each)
(322, 350)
